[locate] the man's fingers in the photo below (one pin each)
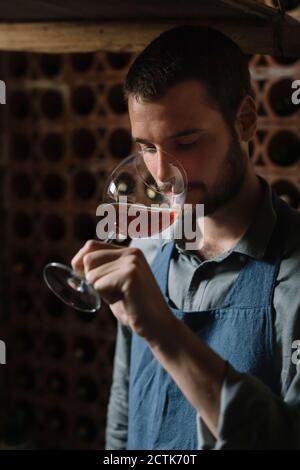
(108, 286)
(100, 271)
(88, 247)
(77, 260)
(97, 259)
(117, 272)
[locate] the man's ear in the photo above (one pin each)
(246, 119)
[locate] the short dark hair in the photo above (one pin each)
(192, 52)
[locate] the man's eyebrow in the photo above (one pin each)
(173, 136)
(185, 132)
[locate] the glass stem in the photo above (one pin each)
(110, 237)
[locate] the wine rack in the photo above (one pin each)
(275, 151)
(65, 127)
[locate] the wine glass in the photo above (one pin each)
(142, 198)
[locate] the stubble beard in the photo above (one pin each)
(231, 178)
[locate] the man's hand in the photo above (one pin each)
(125, 281)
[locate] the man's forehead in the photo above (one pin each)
(180, 104)
(180, 92)
(154, 122)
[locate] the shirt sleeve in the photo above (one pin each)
(117, 413)
(253, 418)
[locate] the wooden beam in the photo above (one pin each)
(252, 7)
(255, 36)
(295, 14)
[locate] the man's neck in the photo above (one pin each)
(225, 227)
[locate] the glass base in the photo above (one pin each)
(72, 289)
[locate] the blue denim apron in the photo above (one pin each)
(240, 331)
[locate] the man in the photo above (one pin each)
(204, 348)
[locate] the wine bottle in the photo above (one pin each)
(280, 98)
(54, 307)
(54, 227)
(118, 60)
(57, 384)
(52, 104)
(23, 300)
(284, 148)
(24, 342)
(84, 349)
(120, 143)
(53, 147)
(83, 143)
(22, 264)
(19, 104)
(86, 389)
(25, 378)
(85, 429)
(50, 64)
(21, 185)
(83, 100)
(82, 62)
(22, 224)
(56, 421)
(18, 64)
(84, 227)
(116, 99)
(54, 187)
(55, 345)
(19, 146)
(85, 185)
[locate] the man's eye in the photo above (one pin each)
(187, 144)
(148, 149)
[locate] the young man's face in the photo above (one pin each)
(185, 124)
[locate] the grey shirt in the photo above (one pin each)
(251, 416)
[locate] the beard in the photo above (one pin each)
(229, 182)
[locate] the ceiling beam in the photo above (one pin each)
(252, 7)
(254, 36)
(295, 14)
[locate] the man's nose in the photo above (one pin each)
(164, 172)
